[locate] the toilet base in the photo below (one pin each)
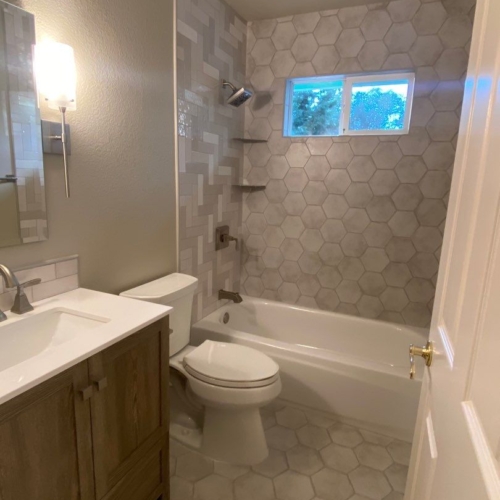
(233, 437)
(236, 437)
(223, 423)
(189, 437)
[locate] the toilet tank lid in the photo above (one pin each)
(169, 288)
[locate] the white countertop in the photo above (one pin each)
(118, 318)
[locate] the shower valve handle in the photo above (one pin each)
(425, 352)
(229, 238)
(223, 238)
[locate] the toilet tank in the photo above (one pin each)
(175, 290)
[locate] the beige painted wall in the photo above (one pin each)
(121, 216)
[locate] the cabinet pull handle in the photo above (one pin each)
(86, 393)
(101, 384)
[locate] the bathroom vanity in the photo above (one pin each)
(85, 415)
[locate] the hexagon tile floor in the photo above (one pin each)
(311, 457)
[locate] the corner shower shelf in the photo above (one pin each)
(250, 187)
(249, 141)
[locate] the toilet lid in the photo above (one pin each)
(230, 363)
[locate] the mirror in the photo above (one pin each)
(23, 214)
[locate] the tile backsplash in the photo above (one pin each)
(58, 276)
(354, 224)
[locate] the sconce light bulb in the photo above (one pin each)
(56, 74)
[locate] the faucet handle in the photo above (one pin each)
(32, 282)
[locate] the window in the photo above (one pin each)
(368, 104)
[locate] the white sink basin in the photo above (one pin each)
(63, 331)
(23, 340)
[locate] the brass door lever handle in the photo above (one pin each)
(425, 352)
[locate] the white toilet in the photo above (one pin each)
(217, 388)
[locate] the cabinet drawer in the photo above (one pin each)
(144, 482)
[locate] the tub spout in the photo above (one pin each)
(234, 296)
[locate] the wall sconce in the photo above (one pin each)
(56, 83)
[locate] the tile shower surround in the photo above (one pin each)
(354, 224)
(312, 456)
(211, 43)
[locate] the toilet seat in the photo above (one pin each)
(229, 383)
(230, 365)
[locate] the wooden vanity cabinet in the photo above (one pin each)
(46, 441)
(130, 416)
(98, 431)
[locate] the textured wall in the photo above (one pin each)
(121, 216)
(354, 224)
(211, 43)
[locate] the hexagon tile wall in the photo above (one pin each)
(354, 225)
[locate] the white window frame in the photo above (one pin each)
(348, 82)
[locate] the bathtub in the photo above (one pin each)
(355, 368)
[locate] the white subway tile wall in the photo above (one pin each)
(211, 43)
(58, 276)
(354, 225)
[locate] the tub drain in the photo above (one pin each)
(225, 318)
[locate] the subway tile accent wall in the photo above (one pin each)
(211, 43)
(58, 276)
(354, 225)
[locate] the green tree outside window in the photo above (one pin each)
(316, 106)
(317, 111)
(377, 110)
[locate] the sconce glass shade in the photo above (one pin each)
(56, 74)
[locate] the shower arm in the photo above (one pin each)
(228, 84)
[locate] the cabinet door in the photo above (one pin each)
(129, 408)
(45, 441)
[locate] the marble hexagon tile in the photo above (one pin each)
(358, 221)
(311, 457)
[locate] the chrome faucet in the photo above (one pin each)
(21, 303)
(8, 277)
(10, 282)
(234, 296)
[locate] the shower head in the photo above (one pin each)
(239, 96)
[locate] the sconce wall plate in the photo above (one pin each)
(51, 138)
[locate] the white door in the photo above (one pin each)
(456, 453)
